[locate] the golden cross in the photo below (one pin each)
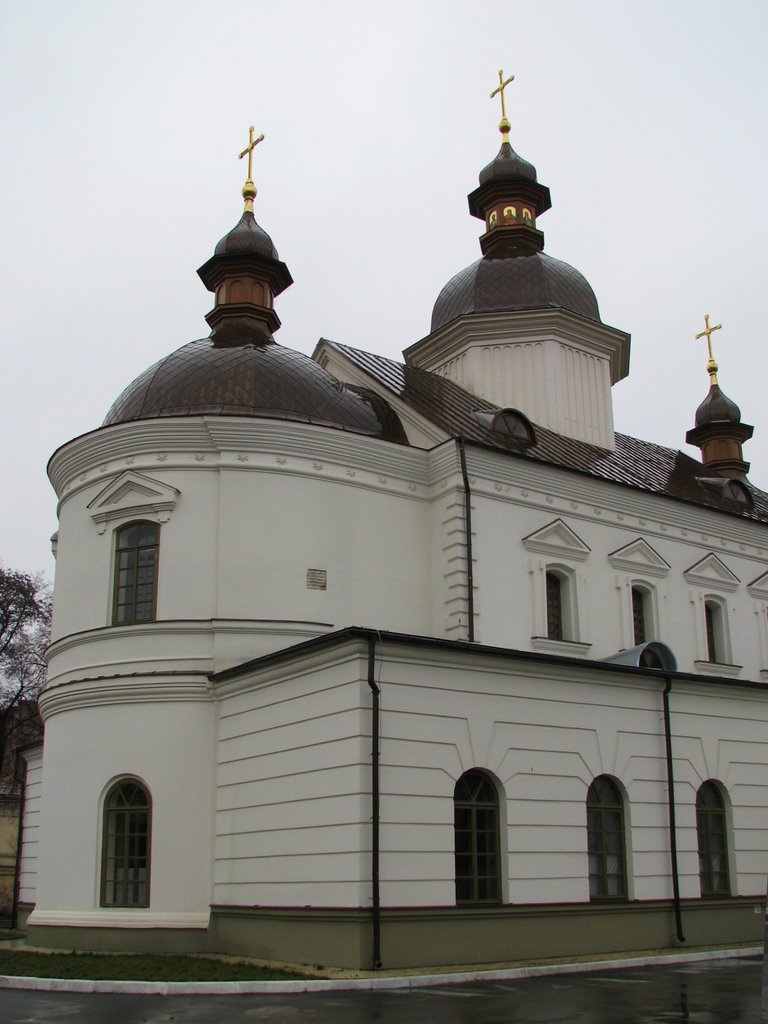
(708, 331)
(252, 144)
(504, 125)
(249, 189)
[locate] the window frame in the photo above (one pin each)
(642, 593)
(117, 569)
(566, 598)
(599, 880)
(493, 846)
(116, 876)
(716, 639)
(705, 818)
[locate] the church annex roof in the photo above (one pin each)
(633, 463)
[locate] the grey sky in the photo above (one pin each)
(121, 123)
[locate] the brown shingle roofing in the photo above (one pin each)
(634, 463)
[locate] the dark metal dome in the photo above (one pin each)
(521, 282)
(507, 164)
(717, 408)
(267, 381)
(246, 236)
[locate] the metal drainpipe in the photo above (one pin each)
(376, 694)
(671, 807)
(468, 540)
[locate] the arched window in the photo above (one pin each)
(555, 621)
(510, 214)
(641, 615)
(717, 639)
(136, 552)
(527, 215)
(125, 857)
(493, 219)
(605, 841)
(476, 830)
(713, 846)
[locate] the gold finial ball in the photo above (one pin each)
(504, 126)
(249, 190)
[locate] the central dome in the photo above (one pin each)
(535, 281)
(268, 381)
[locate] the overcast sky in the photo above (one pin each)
(121, 124)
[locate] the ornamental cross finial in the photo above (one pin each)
(504, 124)
(708, 331)
(249, 189)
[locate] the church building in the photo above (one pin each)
(371, 663)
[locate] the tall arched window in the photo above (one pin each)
(605, 841)
(640, 623)
(713, 621)
(476, 828)
(713, 845)
(555, 619)
(125, 858)
(136, 552)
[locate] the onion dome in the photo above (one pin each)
(507, 164)
(239, 370)
(247, 236)
(719, 431)
(514, 272)
(717, 407)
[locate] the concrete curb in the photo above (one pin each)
(378, 983)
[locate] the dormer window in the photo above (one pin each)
(737, 491)
(508, 423)
(730, 489)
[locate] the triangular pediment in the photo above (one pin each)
(759, 587)
(133, 494)
(557, 538)
(639, 557)
(712, 572)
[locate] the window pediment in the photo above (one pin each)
(713, 573)
(639, 557)
(133, 495)
(759, 587)
(557, 539)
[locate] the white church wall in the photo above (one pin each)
(370, 545)
(167, 745)
(294, 783)
(30, 837)
(720, 735)
(546, 734)
(513, 499)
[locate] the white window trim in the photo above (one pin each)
(574, 613)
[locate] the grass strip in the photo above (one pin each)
(133, 967)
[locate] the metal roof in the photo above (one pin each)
(634, 463)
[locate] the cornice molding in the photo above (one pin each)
(233, 443)
(578, 496)
(529, 326)
(142, 689)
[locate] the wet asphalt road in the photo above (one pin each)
(726, 992)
